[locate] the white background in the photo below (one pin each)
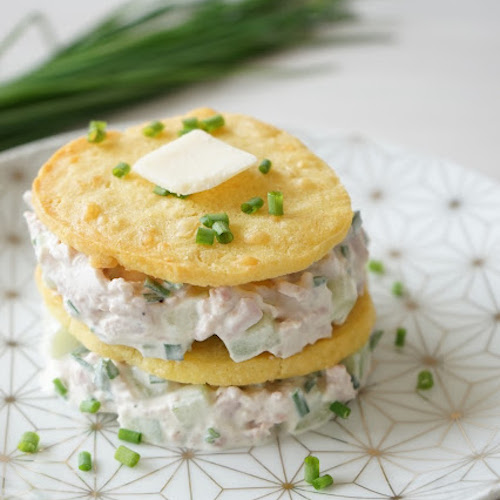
(431, 83)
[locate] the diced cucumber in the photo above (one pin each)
(149, 427)
(193, 403)
(174, 352)
(357, 364)
(62, 343)
(344, 296)
(259, 337)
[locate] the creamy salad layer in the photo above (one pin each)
(163, 319)
(200, 416)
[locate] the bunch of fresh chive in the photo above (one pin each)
(147, 48)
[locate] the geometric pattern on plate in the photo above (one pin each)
(436, 226)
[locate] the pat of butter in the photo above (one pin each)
(194, 162)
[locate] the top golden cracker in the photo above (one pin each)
(121, 221)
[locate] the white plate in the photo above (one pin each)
(436, 227)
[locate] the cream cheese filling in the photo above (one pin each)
(280, 316)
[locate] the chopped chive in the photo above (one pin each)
(212, 435)
(29, 442)
(90, 406)
(205, 236)
(344, 250)
(322, 482)
(153, 129)
(355, 382)
(59, 387)
(375, 338)
(425, 380)
(319, 280)
(72, 307)
(275, 202)
(300, 403)
(340, 409)
(82, 362)
(376, 266)
(212, 123)
(126, 456)
(130, 436)
(174, 352)
(84, 461)
(356, 220)
(265, 166)
(400, 337)
(161, 191)
(165, 192)
(309, 384)
(156, 287)
(311, 469)
(121, 170)
(80, 351)
(222, 232)
(398, 289)
(153, 297)
(153, 379)
(111, 369)
(208, 220)
(252, 205)
(191, 122)
(97, 131)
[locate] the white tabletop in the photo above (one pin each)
(432, 83)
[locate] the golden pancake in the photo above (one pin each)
(209, 363)
(121, 221)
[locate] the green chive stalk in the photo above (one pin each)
(143, 50)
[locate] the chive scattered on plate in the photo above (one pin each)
(400, 337)
(126, 456)
(130, 436)
(59, 387)
(90, 406)
(84, 461)
(29, 442)
(311, 469)
(340, 409)
(425, 380)
(376, 266)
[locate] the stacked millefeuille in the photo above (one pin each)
(213, 305)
